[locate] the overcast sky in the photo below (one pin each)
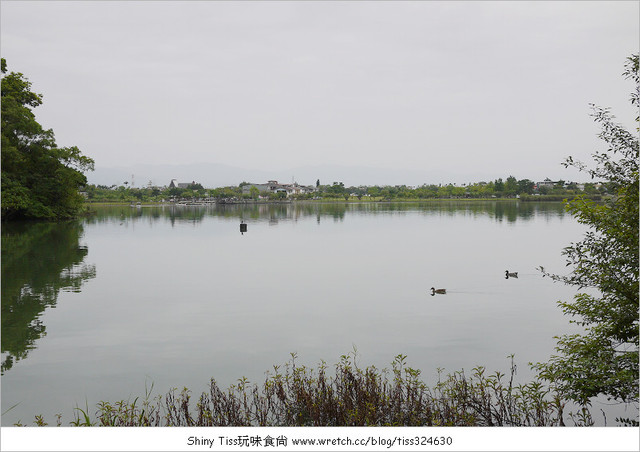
(461, 88)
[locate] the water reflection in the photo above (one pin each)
(182, 297)
(499, 211)
(38, 261)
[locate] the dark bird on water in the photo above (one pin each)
(508, 275)
(435, 291)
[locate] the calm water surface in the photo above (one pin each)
(173, 296)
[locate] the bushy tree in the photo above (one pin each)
(604, 359)
(525, 186)
(498, 186)
(511, 186)
(39, 179)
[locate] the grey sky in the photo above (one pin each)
(459, 88)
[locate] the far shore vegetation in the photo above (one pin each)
(511, 188)
(43, 181)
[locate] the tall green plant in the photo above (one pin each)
(604, 359)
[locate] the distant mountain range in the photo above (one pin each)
(217, 175)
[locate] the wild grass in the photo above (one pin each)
(294, 395)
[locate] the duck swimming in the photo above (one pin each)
(508, 275)
(435, 291)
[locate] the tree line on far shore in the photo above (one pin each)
(509, 188)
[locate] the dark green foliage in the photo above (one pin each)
(337, 190)
(525, 186)
(39, 179)
(604, 359)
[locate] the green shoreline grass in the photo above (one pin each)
(294, 395)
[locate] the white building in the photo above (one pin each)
(273, 186)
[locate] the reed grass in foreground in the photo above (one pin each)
(299, 396)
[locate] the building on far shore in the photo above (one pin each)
(174, 184)
(549, 184)
(273, 186)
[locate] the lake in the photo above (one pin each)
(171, 296)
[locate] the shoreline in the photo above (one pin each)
(541, 198)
